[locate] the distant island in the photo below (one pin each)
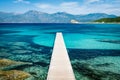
(74, 21)
(33, 16)
(109, 20)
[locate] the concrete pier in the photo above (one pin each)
(60, 66)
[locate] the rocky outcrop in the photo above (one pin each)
(13, 75)
(87, 71)
(6, 64)
(110, 41)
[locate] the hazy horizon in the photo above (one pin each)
(54, 13)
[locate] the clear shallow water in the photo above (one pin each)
(86, 41)
(86, 44)
(75, 35)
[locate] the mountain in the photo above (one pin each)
(109, 20)
(4, 16)
(94, 16)
(41, 17)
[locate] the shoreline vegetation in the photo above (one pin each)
(109, 20)
(100, 21)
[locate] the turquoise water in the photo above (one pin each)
(87, 44)
(83, 41)
(77, 38)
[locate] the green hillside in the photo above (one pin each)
(113, 20)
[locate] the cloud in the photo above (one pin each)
(43, 6)
(77, 8)
(92, 1)
(68, 4)
(63, 7)
(60, 6)
(22, 1)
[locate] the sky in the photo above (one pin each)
(69, 6)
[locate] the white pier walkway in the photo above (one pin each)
(60, 66)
